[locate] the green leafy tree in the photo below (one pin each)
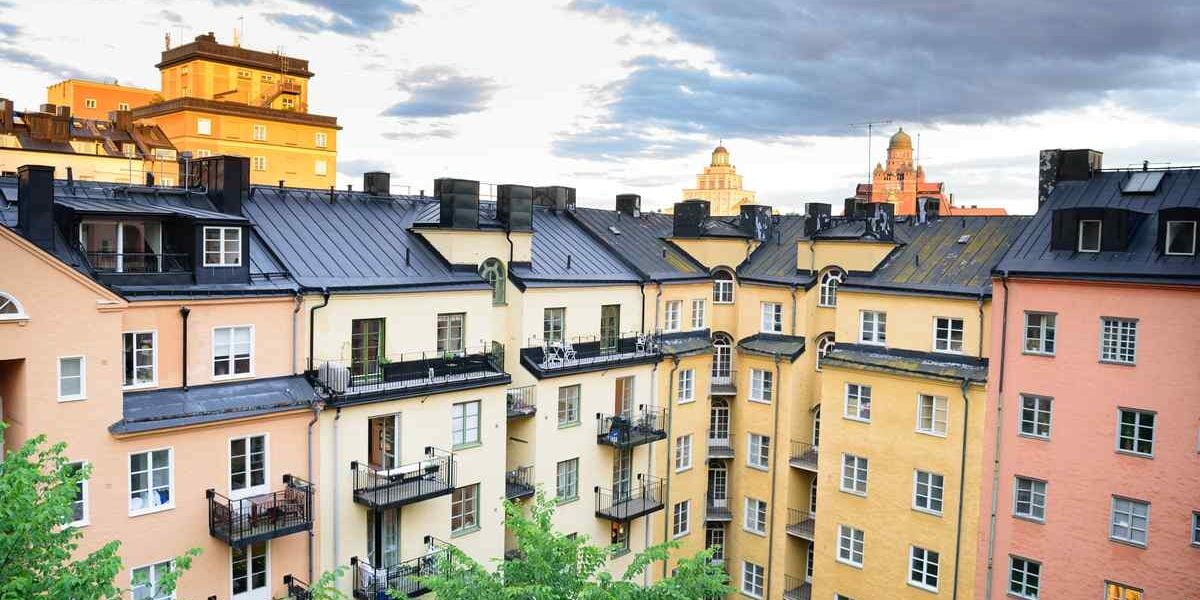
(554, 566)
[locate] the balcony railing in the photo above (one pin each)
(803, 456)
(296, 589)
(801, 524)
(589, 353)
(263, 517)
(522, 401)
(722, 385)
(427, 478)
(716, 508)
(399, 580)
(139, 262)
(410, 374)
(641, 497)
(645, 425)
(720, 444)
(795, 588)
(518, 483)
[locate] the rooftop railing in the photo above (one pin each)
(410, 373)
(139, 262)
(645, 425)
(262, 517)
(400, 580)
(427, 478)
(803, 456)
(585, 353)
(640, 497)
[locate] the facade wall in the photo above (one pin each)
(88, 167)
(108, 97)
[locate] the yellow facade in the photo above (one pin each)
(721, 185)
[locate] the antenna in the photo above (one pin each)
(870, 125)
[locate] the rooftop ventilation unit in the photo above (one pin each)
(818, 217)
(459, 201)
(514, 207)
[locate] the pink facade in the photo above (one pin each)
(1079, 461)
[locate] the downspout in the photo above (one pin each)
(512, 250)
(642, 286)
(777, 400)
(184, 312)
(337, 494)
(316, 408)
(794, 286)
(670, 443)
(991, 551)
(980, 303)
(312, 314)
(657, 302)
(812, 256)
(296, 341)
(962, 479)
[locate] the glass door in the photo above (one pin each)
(718, 420)
(623, 402)
(383, 450)
(251, 572)
(622, 475)
(366, 347)
(610, 327)
(383, 537)
(718, 485)
(722, 365)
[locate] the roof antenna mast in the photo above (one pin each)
(870, 125)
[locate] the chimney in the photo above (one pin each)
(149, 179)
(6, 115)
(514, 207)
(855, 208)
(689, 218)
(881, 220)
(629, 204)
(35, 204)
(755, 220)
(817, 217)
(927, 209)
(558, 197)
(1065, 165)
(64, 111)
(227, 179)
(49, 109)
(122, 120)
(459, 199)
(377, 183)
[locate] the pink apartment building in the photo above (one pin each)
(1093, 408)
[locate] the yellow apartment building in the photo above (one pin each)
(98, 99)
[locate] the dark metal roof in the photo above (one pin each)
(685, 343)
(143, 204)
(774, 261)
(1031, 253)
(176, 407)
(558, 238)
(773, 344)
(641, 242)
(908, 362)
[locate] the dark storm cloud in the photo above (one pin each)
(794, 68)
(347, 17)
(441, 91)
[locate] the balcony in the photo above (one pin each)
(716, 508)
(722, 385)
(590, 353)
(803, 456)
(402, 580)
(348, 382)
(258, 518)
(518, 483)
(522, 402)
(414, 482)
(139, 262)
(720, 444)
(801, 524)
(644, 496)
(795, 588)
(296, 589)
(644, 426)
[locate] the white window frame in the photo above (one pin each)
(571, 403)
(1041, 405)
(946, 343)
(681, 519)
(1195, 528)
(847, 538)
(153, 579)
(89, 103)
(754, 577)
(1114, 348)
(723, 289)
(857, 465)
(1025, 573)
(150, 481)
(258, 163)
(1112, 521)
(854, 411)
(1137, 428)
(250, 568)
(1099, 236)
(762, 386)
(321, 139)
(250, 490)
(1037, 498)
(827, 292)
(772, 317)
(758, 451)
(10, 300)
(934, 409)
(750, 516)
(925, 563)
(153, 359)
(258, 132)
(572, 472)
(1168, 238)
(122, 106)
(699, 310)
(203, 153)
(84, 493)
(320, 168)
(672, 315)
(204, 126)
(874, 330)
(687, 386)
(935, 491)
(223, 254)
(456, 417)
(231, 357)
(1047, 333)
(683, 453)
(58, 380)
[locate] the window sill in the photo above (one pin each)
(464, 532)
(234, 377)
(569, 500)
(826, 306)
(935, 434)
(65, 399)
(759, 468)
(853, 493)
(1031, 436)
(1130, 543)
(856, 419)
(749, 595)
(926, 511)
(1118, 363)
(681, 534)
(618, 552)
(1034, 353)
(150, 511)
(923, 588)
(1135, 454)
(683, 470)
(880, 344)
(685, 401)
(761, 534)
(848, 563)
(569, 425)
(758, 401)
(79, 524)
(139, 386)
(1030, 519)
(466, 446)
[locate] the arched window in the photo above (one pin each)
(10, 309)
(722, 366)
(830, 280)
(493, 271)
(824, 344)
(722, 287)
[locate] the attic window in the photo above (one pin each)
(1181, 238)
(964, 238)
(1089, 236)
(1143, 182)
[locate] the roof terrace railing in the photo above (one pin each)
(590, 351)
(409, 372)
(262, 517)
(403, 579)
(139, 262)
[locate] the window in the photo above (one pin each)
(851, 543)
(258, 163)
(698, 309)
(259, 133)
(927, 492)
(759, 455)
(450, 332)
(222, 246)
(122, 106)
(366, 347)
(1130, 520)
(492, 270)
(144, 581)
(1035, 416)
(553, 320)
(1024, 577)
(714, 538)
(761, 384)
(203, 153)
(672, 315)
(465, 424)
(567, 481)
(287, 103)
(321, 139)
(150, 481)
(1120, 591)
(139, 358)
(71, 378)
(248, 465)
(1136, 432)
(89, 103)
(947, 334)
(1181, 238)
(79, 506)
(687, 386)
(722, 287)
(858, 402)
(830, 280)
(1089, 236)
(1029, 499)
(10, 309)
(464, 509)
(128, 150)
(923, 568)
(722, 362)
(753, 579)
(683, 453)
(610, 327)
(204, 126)
(320, 168)
(619, 539)
(681, 518)
(1196, 529)
(854, 474)
(1039, 333)
(932, 414)
(755, 518)
(249, 568)
(772, 317)
(873, 327)
(232, 350)
(568, 405)
(1118, 340)
(825, 344)
(268, 78)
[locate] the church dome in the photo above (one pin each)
(720, 157)
(900, 141)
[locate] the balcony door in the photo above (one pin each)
(383, 537)
(623, 399)
(722, 364)
(250, 569)
(366, 346)
(816, 434)
(383, 435)
(718, 420)
(622, 475)
(718, 484)
(610, 327)
(122, 246)
(714, 537)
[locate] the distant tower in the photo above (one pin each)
(720, 185)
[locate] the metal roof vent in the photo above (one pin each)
(964, 238)
(614, 230)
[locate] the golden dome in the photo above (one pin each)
(900, 141)
(720, 157)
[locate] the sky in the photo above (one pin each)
(616, 96)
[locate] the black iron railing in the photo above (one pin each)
(801, 524)
(518, 483)
(139, 262)
(642, 496)
(296, 589)
(263, 517)
(803, 456)
(412, 371)
(522, 401)
(716, 507)
(720, 444)
(591, 351)
(427, 478)
(795, 588)
(399, 580)
(644, 425)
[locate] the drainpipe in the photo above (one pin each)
(991, 551)
(184, 312)
(962, 477)
(669, 464)
(295, 339)
(316, 408)
(657, 303)
(794, 309)
(337, 494)
(812, 256)
(979, 301)
(642, 286)
(512, 250)
(777, 400)
(312, 313)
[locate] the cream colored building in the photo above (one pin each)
(721, 185)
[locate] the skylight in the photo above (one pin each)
(962, 239)
(1143, 182)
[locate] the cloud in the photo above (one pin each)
(14, 53)
(441, 91)
(171, 16)
(347, 17)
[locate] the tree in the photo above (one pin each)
(553, 566)
(37, 492)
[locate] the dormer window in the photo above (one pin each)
(1181, 238)
(222, 247)
(1089, 236)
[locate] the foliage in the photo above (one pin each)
(325, 587)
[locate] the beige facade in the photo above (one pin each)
(721, 185)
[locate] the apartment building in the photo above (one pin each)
(1091, 453)
(96, 99)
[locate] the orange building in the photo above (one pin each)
(902, 181)
(95, 100)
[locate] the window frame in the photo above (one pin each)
(249, 490)
(232, 357)
(758, 451)
(1116, 351)
(153, 359)
(222, 239)
(864, 467)
(578, 393)
(672, 315)
(764, 391)
(1167, 237)
(445, 325)
(90, 103)
(248, 552)
(1037, 410)
(946, 345)
(84, 496)
(853, 535)
(858, 398)
(258, 132)
(831, 279)
(759, 575)
(1123, 589)
(1025, 573)
(723, 287)
(204, 126)
(468, 504)
(1112, 514)
(1034, 493)
(320, 167)
(1079, 236)
(925, 562)
(933, 412)
(757, 526)
(550, 316)
(681, 519)
(321, 140)
(1195, 528)
(878, 330)
(686, 391)
(153, 580)
(7, 299)
(1043, 340)
(58, 381)
(770, 317)
(456, 418)
(170, 505)
(683, 453)
(930, 497)
(494, 272)
(572, 471)
(699, 313)
(1137, 412)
